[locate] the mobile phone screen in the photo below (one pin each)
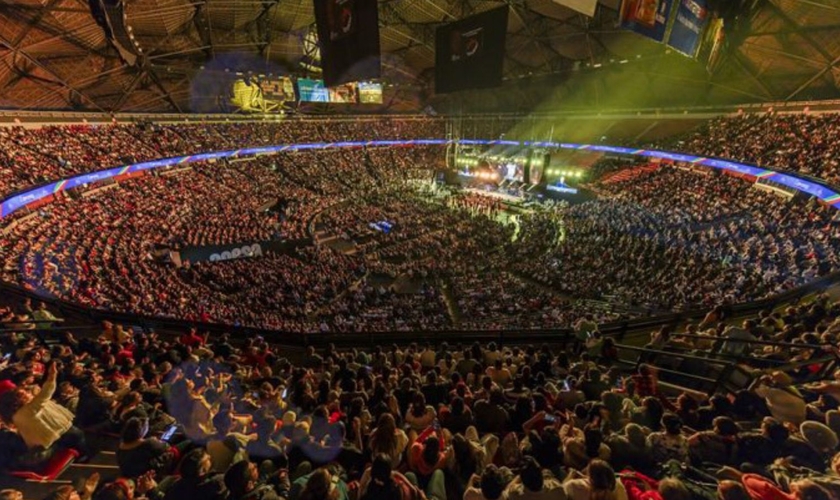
(167, 435)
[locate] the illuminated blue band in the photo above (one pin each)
(21, 200)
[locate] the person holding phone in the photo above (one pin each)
(137, 454)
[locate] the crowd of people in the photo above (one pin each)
(32, 156)
(442, 422)
(100, 250)
(724, 241)
(452, 260)
(233, 419)
(799, 142)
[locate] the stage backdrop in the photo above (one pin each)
(348, 36)
(469, 53)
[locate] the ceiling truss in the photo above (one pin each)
(792, 52)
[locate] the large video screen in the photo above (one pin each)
(370, 93)
(512, 171)
(261, 94)
(280, 89)
(312, 90)
(344, 93)
(247, 96)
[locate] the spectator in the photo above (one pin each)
(197, 479)
(41, 421)
(599, 482)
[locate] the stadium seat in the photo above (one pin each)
(53, 467)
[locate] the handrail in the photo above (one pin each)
(756, 341)
(716, 354)
(668, 353)
(713, 381)
(725, 368)
(49, 329)
(801, 363)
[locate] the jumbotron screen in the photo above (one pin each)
(344, 93)
(262, 95)
(312, 90)
(370, 93)
(278, 89)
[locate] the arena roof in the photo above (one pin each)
(54, 55)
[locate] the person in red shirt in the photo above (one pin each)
(429, 451)
(645, 382)
(193, 339)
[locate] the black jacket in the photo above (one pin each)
(210, 487)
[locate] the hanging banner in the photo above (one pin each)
(348, 36)
(646, 17)
(469, 53)
(713, 40)
(692, 17)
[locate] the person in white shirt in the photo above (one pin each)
(43, 318)
(39, 420)
(599, 482)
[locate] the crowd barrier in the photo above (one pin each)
(240, 250)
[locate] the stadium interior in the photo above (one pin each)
(420, 250)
